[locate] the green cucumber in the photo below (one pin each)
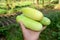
(29, 23)
(45, 21)
(32, 13)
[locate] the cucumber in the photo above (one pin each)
(32, 13)
(29, 23)
(45, 21)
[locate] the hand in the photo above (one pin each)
(29, 34)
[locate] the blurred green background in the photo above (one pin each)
(48, 7)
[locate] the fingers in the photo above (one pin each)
(43, 29)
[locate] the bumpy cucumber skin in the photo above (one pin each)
(29, 23)
(32, 13)
(45, 21)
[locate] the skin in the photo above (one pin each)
(29, 34)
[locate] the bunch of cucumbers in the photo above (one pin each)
(33, 19)
(11, 7)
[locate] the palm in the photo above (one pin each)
(29, 33)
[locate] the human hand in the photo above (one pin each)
(29, 34)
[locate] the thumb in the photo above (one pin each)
(43, 28)
(22, 25)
